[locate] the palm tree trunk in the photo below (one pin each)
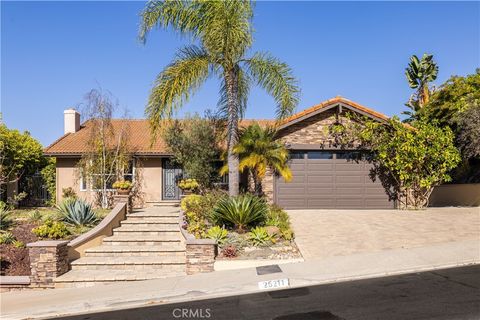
(257, 182)
(232, 133)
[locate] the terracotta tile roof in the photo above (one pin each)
(330, 102)
(139, 138)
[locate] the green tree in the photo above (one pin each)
(456, 104)
(20, 154)
(419, 73)
(49, 177)
(258, 150)
(455, 96)
(410, 161)
(223, 31)
(195, 145)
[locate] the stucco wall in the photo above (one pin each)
(149, 175)
(464, 195)
(67, 176)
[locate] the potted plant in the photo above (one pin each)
(188, 186)
(123, 187)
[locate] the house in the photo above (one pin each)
(324, 174)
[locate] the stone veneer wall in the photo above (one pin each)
(48, 260)
(200, 256)
(314, 131)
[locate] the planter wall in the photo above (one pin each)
(459, 195)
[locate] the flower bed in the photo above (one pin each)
(22, 226)
(245, 227)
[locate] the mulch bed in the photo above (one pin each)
(15, 261)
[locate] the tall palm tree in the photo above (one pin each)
(223, 33)
(419, 73)
(258, 150)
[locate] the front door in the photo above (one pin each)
(171, 175)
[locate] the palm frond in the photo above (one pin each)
(176, 83)
(227, 32)
(277, 79)
(182, 16)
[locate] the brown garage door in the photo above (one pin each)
(326, 180)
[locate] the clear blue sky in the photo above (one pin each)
(52, 53)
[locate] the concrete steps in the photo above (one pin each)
(87, 278)
(147, 245)
(169, 263)
(145, 250)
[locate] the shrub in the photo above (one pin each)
(277, 217)
(259, 237)
(6, 219)
(122, 185)
(34, 216)
(218, 234)
(188, 184)
(7, 238)
(240, 212)
(77, 212)
(229, 251)
(18, 244)
(52, 230)
(69, 193)
(198, 210)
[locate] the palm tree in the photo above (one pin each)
(222, 30)
(419, 74)
(258, 150)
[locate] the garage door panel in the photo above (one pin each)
(321, 203)
(320, 179)
(348, 192)
(293, 203)
(349, 179)
(319, 166)
(348, 167)
(320, 192)
(330, 183)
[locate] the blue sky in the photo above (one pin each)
(52, 53)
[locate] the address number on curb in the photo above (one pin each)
(272, 284)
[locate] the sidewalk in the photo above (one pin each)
(41, 304)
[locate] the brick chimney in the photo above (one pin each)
(71, 121)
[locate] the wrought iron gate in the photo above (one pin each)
(171, 175)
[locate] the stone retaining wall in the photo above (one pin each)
(48, 260)
(200, 253)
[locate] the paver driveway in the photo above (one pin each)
(323, 233)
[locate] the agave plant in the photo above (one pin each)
(6, 238)
(241, 211)
(218, 234)
(6, 219)
(77, 212)
(259, 236)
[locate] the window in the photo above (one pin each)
(128, 174)
(83, 183)
(297, 155)
(352, 155)
(320, 155)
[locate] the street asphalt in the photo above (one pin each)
(441, 294)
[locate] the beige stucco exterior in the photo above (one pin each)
(148, 173)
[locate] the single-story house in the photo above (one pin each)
(324, 175)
